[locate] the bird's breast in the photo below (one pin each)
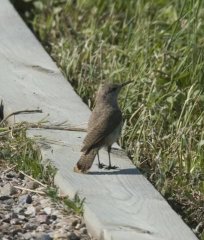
(114, 135)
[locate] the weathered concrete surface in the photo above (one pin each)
(119, 204)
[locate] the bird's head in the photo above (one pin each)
(110, 91)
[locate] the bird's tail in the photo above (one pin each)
(86, 160)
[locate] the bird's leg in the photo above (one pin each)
(100, 165)
(110, 166)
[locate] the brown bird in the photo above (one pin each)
(104, 126)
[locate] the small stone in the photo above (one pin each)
(32, 185)
(10, 201)
(20, 236)
(83, 230)
(41, 228)
(30, 211)
(5, 207)
(22, 217)
(82, 225)
(11, 175)
(42, 218)
(27, 236)
(38, 209)
(7, 218)
(7, 190)
(73, 236)
(48, 210)
(4, 198)
(74, 222)
(29, 199)
(21, 176)
(44, 202)
(15, 181)
(78, 226)
(16, 230)
(4, 227)
(5, 238)
(10, 216)
(53, 217)
(15, 221)
(36, 198)
(30, 226)
(19, 210)
(14, 215)
(43, 236)
(26, 198)
(60, 235)
(55, 212)
(22, 199)
(70, 228)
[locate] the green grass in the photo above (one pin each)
(75, 204)
(21, 151)
(160, 45)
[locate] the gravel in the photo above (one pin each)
(25, 215)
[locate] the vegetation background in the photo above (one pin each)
(160, 45)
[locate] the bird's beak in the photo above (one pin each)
(126, 83)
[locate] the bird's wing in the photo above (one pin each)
(107, 122)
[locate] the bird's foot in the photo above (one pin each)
(101, 165)
(109, 167)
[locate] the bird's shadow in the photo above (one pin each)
(127, 171)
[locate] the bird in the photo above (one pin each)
(104, 126)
